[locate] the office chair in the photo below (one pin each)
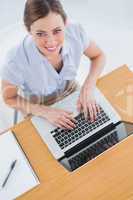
(16, 113)
(15, 118)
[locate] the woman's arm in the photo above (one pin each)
(57, 117)
(86, 100)
(97, 57)
(12, 99)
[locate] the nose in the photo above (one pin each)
(50, 40)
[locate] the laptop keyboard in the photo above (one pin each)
(66, 137)
(93, 150)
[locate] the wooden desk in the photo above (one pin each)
(108, 177)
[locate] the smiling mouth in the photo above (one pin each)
(51, 49)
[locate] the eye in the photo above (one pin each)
(41, 34)
(57, 31)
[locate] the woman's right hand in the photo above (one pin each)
(59, 117)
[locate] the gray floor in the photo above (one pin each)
(109, 23)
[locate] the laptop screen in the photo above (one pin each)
(96, 145)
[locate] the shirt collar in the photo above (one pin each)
(65, 49)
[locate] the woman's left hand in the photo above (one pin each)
(86, 101)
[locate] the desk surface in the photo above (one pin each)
(108, 177)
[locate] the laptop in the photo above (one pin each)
(63, 143)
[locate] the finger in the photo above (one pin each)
(98, 108)
(70, 123)
(67, 119)
(94, 108)
(60, 124)
(85, 110)
(85, 106)
(91, 113)
(79, 106)
(70, 117)
(65, 125)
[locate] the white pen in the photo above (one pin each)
(9, 173)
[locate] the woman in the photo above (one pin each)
(45, 63)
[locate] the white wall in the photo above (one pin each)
(10, 13)
(117, 13)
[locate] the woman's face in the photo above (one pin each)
(48, 34)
